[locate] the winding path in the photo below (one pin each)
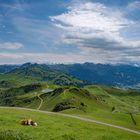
(41, 102)
(76, 117)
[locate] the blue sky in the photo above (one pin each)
(70, 31)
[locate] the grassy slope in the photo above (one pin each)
(131, 99)
(72, 95)
(52, 127)
(98, 104)
(37, 73)
(23, 96)
(107, 97)
(17, 80)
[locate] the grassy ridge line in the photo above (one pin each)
(76, 117)
(124, 103)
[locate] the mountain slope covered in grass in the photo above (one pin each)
(105, 74)
(107, 104)
(42, 87)
(126, 76)
(29, 73)
(55, 127)
(7, 68)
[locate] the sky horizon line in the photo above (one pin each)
(32, 63)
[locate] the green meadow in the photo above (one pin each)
(53, 127)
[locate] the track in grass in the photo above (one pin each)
(76, 117)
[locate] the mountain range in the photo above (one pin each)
(34, 73)
(76, 89)
(124, 76)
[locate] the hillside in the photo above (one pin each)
(29, 73)
(95, 102)
(102, 103)
(7, 68)
(42, 87)
(105, 74)
(65, 128)
(126, 76)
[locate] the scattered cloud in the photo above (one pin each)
(96, 26)
(17, 58)
(98, 55)
(10, 45)
(91, 31)
(37, 31)
(13, 7)
(133, 6)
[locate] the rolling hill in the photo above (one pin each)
(124, 76)
(29, 73)
(107, 104)
(42, 87)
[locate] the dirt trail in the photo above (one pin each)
(41, 102)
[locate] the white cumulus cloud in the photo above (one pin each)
(96, 26)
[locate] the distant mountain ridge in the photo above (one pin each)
(7, 68)
(112, 75)
(105, 74)
(33, 73)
